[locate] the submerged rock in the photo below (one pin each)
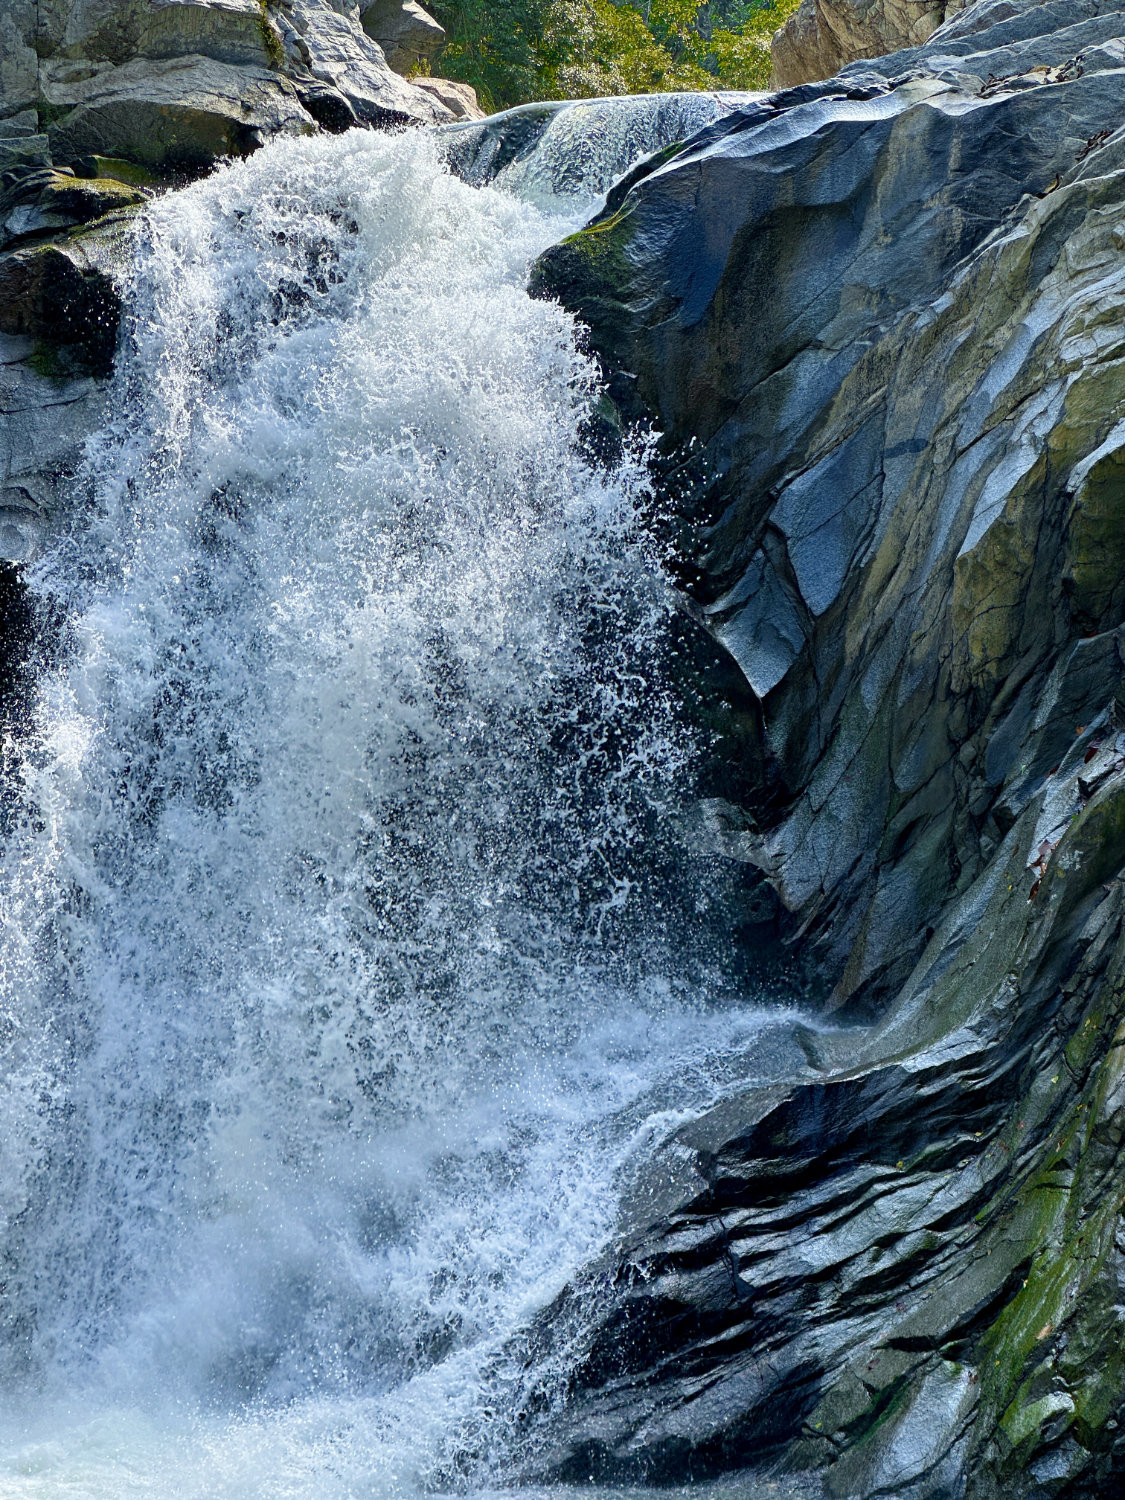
(579, 146)
(880, 321)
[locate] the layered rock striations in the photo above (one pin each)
(881, 322)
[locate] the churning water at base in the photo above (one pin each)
(350, 958)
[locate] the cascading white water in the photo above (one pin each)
(577, 148)
(349, 954)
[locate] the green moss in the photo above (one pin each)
(1095, 543)
(1067, 1213)
(271, 41)
(50, 362)
(51, 114)
(1020, 1423)
(598, 252)
(118, 170)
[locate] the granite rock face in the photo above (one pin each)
(408, 35)
(175, 84)
(823, 36)
(881, 323)
(459, 98)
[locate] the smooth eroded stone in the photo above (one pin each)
(173, 114)
(880, 322)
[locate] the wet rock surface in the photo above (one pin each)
(882, 323)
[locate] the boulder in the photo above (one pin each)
(34, 203)
(63, 294)
(176, 114)
(175, 85)
(121, 31)
(408, 35)
(459, 98)
(823, 36)
(19, 61)
(738, 292)
(327, 49)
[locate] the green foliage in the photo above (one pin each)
(516, 51)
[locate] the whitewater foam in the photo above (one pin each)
(350, 958)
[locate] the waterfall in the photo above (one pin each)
(351, 958)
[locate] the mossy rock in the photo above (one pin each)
(65, 293)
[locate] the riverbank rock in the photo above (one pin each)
(459, 98)
(823, 36)
(881, 322)
(103, 102)
(59, 317)
(41, 201)
(48, 405)
(176, 86)
(408, 35)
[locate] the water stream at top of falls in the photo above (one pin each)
(350, 958)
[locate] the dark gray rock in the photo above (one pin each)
(63, 294)
(796, 293)
(879, 321)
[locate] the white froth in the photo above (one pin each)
(332, 1007)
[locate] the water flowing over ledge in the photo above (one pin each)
(352, 961)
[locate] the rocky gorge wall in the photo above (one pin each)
(880, 322)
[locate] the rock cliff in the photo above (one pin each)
(823, 36)
(881, 323)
